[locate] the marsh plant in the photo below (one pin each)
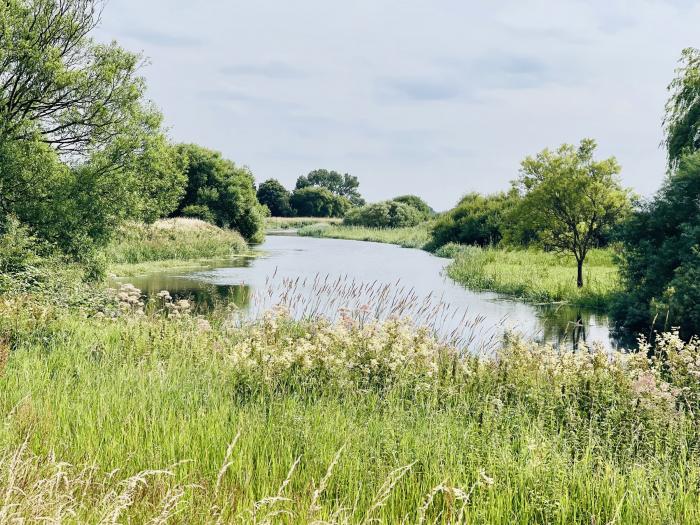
(151, 417)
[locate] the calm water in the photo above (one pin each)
(319, 276)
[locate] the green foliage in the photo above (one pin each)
(386, 214)
(411, 237)
(569, 199)
(416, 202)
(226, 190)
(314, 201)
(172, 239)
(276, 197)
(660, 261)
(341, 185)
(477, 220)
(682, 120)
(531, 436)
(80, 149)
(534, 275)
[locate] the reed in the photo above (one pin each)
(412, 237)
(173, 240)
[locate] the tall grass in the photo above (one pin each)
(173, 239)
(536, 275)
(149, 418)
(411, 237)
(286, 223)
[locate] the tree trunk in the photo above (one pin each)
(579, 280)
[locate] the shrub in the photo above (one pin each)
(477, 220)
(417, 203)
(387, 214)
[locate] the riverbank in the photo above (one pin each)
(294, 223)
(531, 275)
(537, 276)
(147, 412)
(413, 237)
(168, 244)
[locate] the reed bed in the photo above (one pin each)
(173, 240)
(293, 223)
(130, 411)
(412, 237)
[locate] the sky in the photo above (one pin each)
(433, 97)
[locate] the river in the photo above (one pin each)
(322, 276)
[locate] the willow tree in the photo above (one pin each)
(80, 106)
(682, 119)
(569, 199)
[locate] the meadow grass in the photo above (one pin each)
(537, 276)
(172, 240)
(411, 237)
(293, 223)
(149, 418)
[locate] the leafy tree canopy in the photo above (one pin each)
(660, 264)
(477, 219)
(417, 203)
(387, 214)
(341, 185)
(682, 120)
(569, 199)
(80, 148)
(227, 191)
(276, 197)
(313, 201)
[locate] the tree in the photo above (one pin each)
(226, 190)
(387, 214)
(682, 120)
(75, 129)
(276, 197)
(477, 220)
(341, 185)
(570, 199)
(417, 203)
(660, 262)
(318, 202)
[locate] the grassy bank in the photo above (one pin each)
(536, 276)
(413, 237)
(293, 223)
(171, 418)
(169, 243)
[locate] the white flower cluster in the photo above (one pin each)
(372, 354)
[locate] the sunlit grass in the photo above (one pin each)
(537, 276)
(173, 240)
(412, 237)
(286, 223)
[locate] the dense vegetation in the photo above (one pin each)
(186, 419)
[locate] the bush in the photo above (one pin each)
(387, 214)
(198, 211)
(476, 220)
(313, 201)
(417, 203)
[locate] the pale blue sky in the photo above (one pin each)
(436, 98)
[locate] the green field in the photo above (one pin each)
(293, 223)
(124, 417)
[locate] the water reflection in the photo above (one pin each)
(311, 266)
